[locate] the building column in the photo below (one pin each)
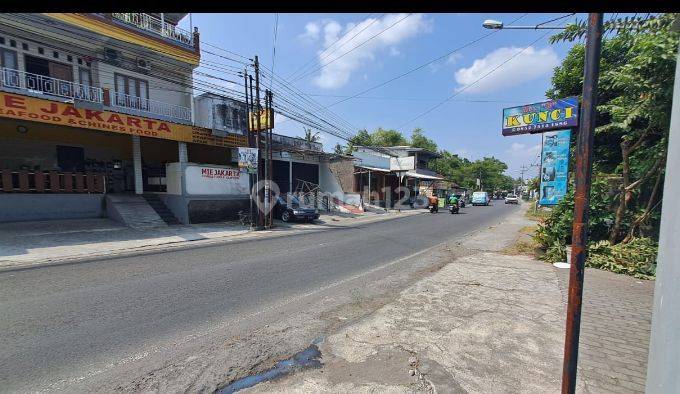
(290, 173)
(369, 186)
(137, 163)
(183, 153)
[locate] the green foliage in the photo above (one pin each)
(311, 136)
(339, 149)
(636, 258)
(419, 140)
(382, 137)
(556, 228)
(635, 91)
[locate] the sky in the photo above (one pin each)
(508, 68)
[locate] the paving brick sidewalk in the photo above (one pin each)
(615, 329)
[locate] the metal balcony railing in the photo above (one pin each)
(21, 80)
(126, 101)
(155, 25)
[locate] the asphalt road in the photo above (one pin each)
(59, 323)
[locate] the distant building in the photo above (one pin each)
(378, 185)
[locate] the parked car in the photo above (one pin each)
(480, 198)
(294, 211)
(511, 199)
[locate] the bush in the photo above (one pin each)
(556, 228)
(636, 258)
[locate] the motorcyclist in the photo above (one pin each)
(453, 200)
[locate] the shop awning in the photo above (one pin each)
(411, 174)
(373, 168)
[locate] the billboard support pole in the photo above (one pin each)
(583, 170)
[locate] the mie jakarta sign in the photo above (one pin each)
(541, 117)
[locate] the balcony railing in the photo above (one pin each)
(21, 80)
(126, 101)
(155, 25)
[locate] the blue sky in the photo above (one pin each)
(472, 129)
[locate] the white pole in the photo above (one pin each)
(663, 363)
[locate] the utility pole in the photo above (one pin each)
(250, 143)
(583, 170)
(270, 124)
(258, 108)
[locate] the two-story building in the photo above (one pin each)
(95, 105)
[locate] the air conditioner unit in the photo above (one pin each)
(143, 65)
(111, 55)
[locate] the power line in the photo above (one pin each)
(421, 66)
(475, 82)
(329, 47)
(276, 30)
(351, 50)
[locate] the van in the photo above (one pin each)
(480, 198)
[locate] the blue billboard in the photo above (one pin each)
(539, 117)
(554, 166)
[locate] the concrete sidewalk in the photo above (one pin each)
(487, 322)
(38, 242)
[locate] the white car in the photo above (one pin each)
(511, 199)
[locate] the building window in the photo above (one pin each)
(80, 61)
(12, 43)
(2, 40)
(41, 50)
(37, 68)
(55, 55)
(69, 58)
(84, 76)
(24, 46)
(8, 62)
(131, 92)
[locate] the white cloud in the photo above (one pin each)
(336, 73)
(453, 58)
(311, 33)
(394, 51)
(522, 150)
(530, 64)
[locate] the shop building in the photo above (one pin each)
(378, 185)
(97, 119)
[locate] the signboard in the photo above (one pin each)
(541, 117)
(216, 180)
(554, 166)
(247, 159)
(266, 120)
(402, 163)
(57, 113)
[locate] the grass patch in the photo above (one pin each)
(525, 244)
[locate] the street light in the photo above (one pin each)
(498, 25)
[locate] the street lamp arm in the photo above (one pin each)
(537, 27)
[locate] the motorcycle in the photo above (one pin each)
(454, 208)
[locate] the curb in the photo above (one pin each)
(279, 231)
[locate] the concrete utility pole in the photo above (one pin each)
(583, 170)
(260, 169)
(664, 363)
(250, 142)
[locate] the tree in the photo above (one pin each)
(310, 136)
(339, 149)
(633, 114)
(419, 140)
(382, 137)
